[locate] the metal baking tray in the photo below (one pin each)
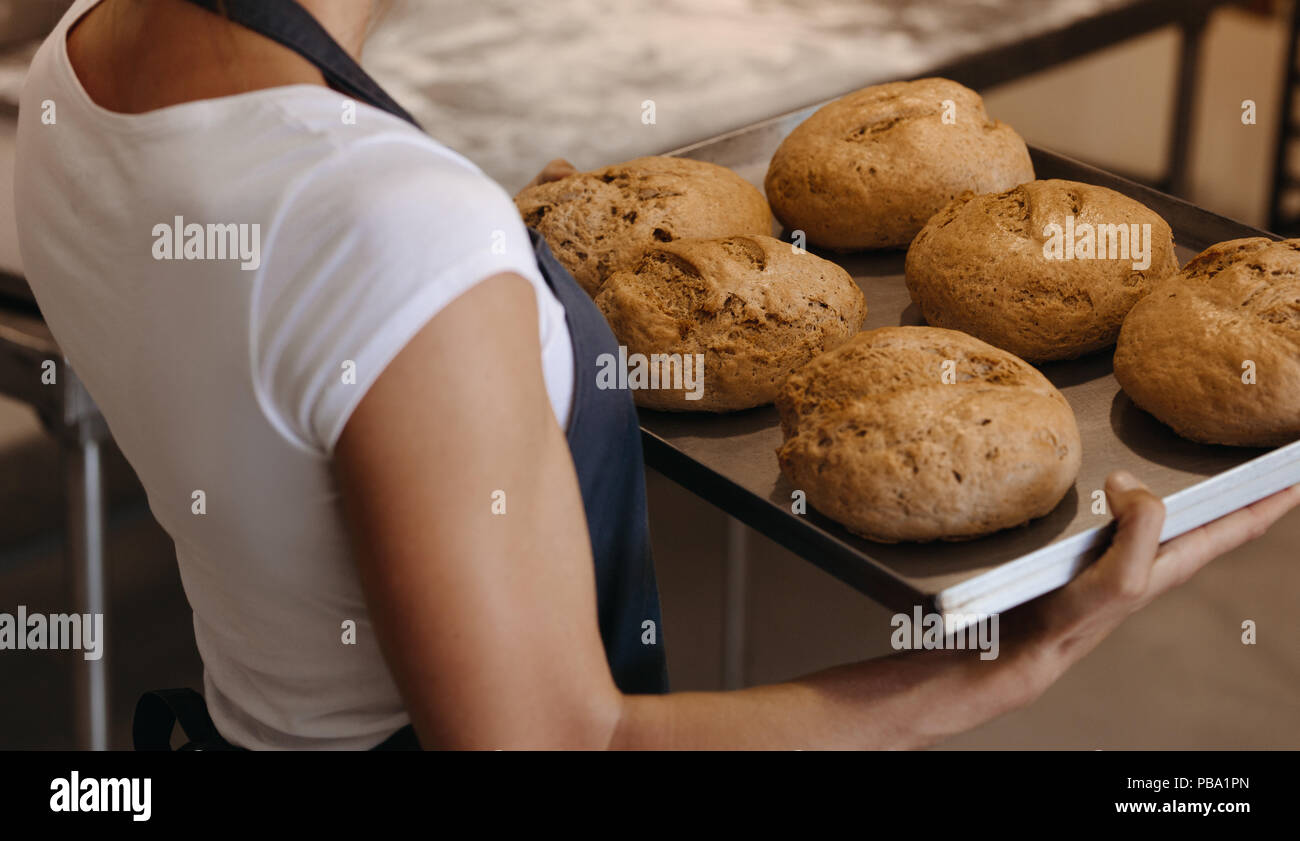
(730, 460)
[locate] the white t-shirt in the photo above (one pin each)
(226, 382)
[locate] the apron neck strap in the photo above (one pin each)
(290, 25)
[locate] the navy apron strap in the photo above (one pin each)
(604, 438)
(157, 713)
(290, 25)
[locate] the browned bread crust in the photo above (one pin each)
(978, 266)
(1182, 349)
(879, 442)
(868, 170)
(754, 309)
(600, 221)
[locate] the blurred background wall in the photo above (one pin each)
(1114, 109)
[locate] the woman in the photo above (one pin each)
(328, 348)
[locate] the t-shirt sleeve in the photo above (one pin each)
(371, 247)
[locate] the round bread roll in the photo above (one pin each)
(881, 443)
(868, 170)
(600, 221)
(1214, 351)
(750, 306)
(993, 266)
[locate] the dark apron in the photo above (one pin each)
(604, 439)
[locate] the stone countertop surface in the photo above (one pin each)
(512, 84)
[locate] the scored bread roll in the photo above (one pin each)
(1023, 269)
(600, 221)
(921, 433)
(750, 306)
(1214, 350)
(867, 170)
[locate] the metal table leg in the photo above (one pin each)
(735, 588)
(1282, 220)
(1177, 178)
(33, 370)
(84, 500)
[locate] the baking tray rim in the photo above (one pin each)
(1041, 570)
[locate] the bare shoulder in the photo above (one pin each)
(475, 360)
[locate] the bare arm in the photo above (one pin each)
(917, 699)
(488, 621)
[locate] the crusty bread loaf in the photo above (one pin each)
(881, 443)
(600, 221)
(868, 170)
(1187, 351)
(753, 308)
(979, 266)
